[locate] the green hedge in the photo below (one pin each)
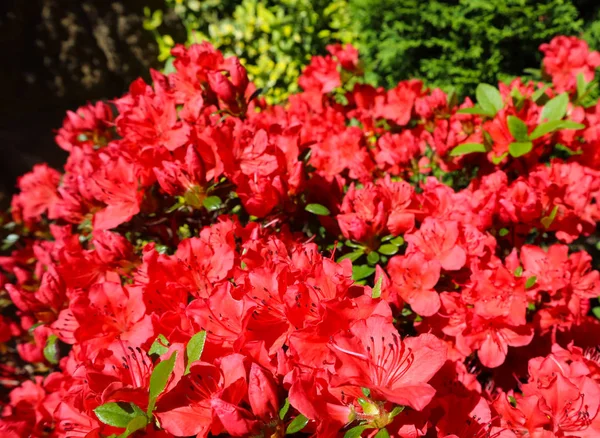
(458, 42)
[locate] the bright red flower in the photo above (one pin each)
(373, 356)
(438, 240)
(38, 195)
(567, 57)
(414, 277)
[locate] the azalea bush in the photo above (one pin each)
(356, 262)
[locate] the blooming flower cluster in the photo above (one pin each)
(355, 262)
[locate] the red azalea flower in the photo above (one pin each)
(373, 356)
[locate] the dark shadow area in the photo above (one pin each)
(58, 55)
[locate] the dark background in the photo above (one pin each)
(58, 55)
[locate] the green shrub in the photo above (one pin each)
(460, 42)
(273, 39)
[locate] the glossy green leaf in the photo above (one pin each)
(397, 410)
(555, 109)
(297, 424)
(581, 85)
(548, 127)
(376, 292)
(372, 258)
(383, 433)
(545, 128)
(284, 410)
(356, 432)
(467, 148)
(530, 282)
(117, 414)
(361, 272)
(318, 209)
(517, 128)
(9, 241)
(212, 203)
(194, 349)
(160, 346)
(398, 241)
(51, 349)
(547, 221)
(159, 379)
(518, 149)
(134, 425)
(388, 249)
(498, 160)
(537, 95)
(570, 124)
(353, 256)
(476, 110)
(489, 98)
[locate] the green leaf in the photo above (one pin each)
(581, 85)
(530, 282)
(160, 346)
(117, 414)
(556, 108)
(476, 110)
(212, 203)
(388, 249)
(194, 349)
(498, 160)
(383, 433)
(51, 350)
(596, 312)
(539, 93)
(284, 410)
(318, 209)
(353, 256)
(398, 241)
(519, 271)
(397, 410)
(517, 128)
(361, 272)
(9, 241)
(366, 392)
(158, 380)
(570, 124)
(467, 148)
(372, 258)
(547, 221)
(352, 244)
(376, 292)
(545, 128)
(519, 149)
(297, 424)
(134, 425)
(356, 432)
(503, 232)
(489, 98)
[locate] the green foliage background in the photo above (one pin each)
(448, 43)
